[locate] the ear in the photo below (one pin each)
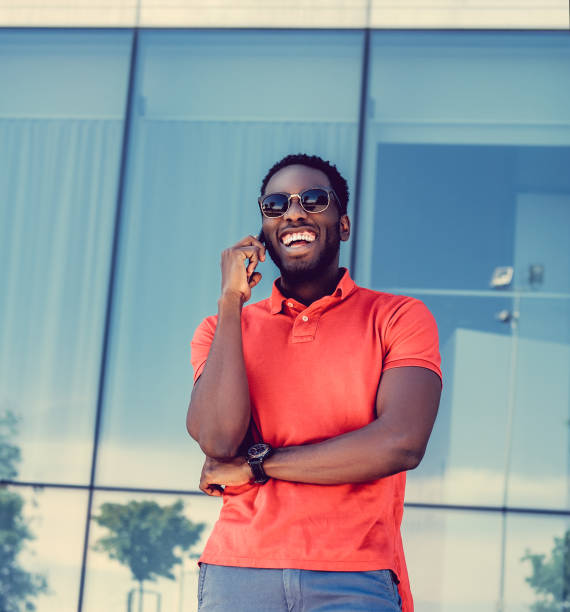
(344, 228)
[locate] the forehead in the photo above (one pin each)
(295, 178)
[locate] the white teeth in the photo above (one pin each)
(306, 236)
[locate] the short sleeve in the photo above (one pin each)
(411, 338)
(200, 345)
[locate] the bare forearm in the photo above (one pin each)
(408, 398)
(366, 454)
(219, 411)
(359, 456)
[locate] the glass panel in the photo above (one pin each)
(58, 180)
(540, 465)
(453, 559)
(193, 184)
(547, 586)
(457, 126)
(456, 208)
(113, 586)
(465, 459)
(465, 172)
(46, 572)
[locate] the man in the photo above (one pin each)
(339, 386)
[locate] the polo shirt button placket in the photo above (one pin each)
(305, 327)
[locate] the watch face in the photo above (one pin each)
(258, 450)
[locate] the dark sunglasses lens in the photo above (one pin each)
(274, 205)
(315, 200)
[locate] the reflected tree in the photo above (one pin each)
(146, 537)
(550, 577)
(18, 587)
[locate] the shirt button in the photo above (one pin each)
(290, 304)
(305, 318)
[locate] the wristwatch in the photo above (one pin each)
(256, 455)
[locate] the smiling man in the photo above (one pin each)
(309, 406)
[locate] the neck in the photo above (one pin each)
(312, 290)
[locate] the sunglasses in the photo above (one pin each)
(314, 200)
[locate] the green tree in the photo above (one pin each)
(550, 577)
(17, 586)
(9, 453)
(144, 536)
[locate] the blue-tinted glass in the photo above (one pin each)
(539, 474)
(465, 459)
(46, 528)
(214, 110)
(453, 559)
(178, 530)
(61, 118)
(536, 563)
(465, 171)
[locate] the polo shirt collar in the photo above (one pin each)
(343, 289)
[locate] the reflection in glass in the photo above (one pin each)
(452, 139)
(537, 561)
(18, 586)
(143, 551)
(143, 535)
(465, 458)
(453, 559)
(539, 473)
(58, 180)
(55, 520)
(465, 171)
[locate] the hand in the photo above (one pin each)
(217, 474)
(237, 278)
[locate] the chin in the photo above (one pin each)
(295, 272)
(302, 274)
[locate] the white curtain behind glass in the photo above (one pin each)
(58, 183)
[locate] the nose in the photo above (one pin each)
(295, 210)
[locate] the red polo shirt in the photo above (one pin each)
(313, 373)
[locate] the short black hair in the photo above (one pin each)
(337, 181)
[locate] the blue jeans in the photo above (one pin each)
(245, 589)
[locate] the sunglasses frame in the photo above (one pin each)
(298, 195)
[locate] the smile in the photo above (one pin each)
(298, 238)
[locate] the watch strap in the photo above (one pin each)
(259, 475)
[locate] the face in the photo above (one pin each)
(303, 245)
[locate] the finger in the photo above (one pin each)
(210, 489)
(253, 261)
(248, 251)
(254, 279)
(253, 241)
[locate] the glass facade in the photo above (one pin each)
(132, 158)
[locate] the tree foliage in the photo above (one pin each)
(9, 453)
(550, 577)
(17, 586)
(144, 536)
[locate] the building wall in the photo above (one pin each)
(132, 157)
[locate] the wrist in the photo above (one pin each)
(256, 456)
(248, 472)
(230, 300)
